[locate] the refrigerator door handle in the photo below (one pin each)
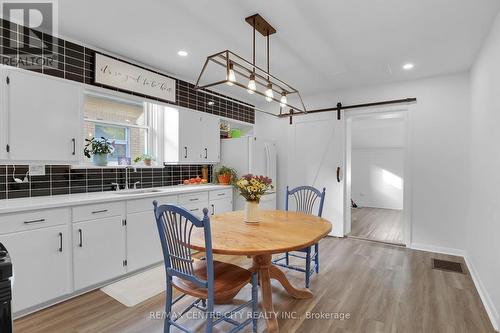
(268, 159)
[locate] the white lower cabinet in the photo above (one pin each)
(220, 201)
(143, 242)
(221, 206)
(196, 208)
(59, 252)
(98, 251)
(41, 265)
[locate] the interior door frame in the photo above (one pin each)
(407, 173)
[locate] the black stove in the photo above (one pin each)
(5, 291)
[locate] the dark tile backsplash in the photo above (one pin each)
(62, 179)
(75, 62)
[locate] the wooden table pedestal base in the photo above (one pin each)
(267, 271)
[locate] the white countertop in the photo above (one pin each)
(34, 203)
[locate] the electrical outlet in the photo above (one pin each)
(37, 170)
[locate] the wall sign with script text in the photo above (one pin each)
(114, 73)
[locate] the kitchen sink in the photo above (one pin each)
(138, 191)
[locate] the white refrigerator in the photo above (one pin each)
(251, 155)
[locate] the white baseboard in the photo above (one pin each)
(437, 249)
(485, 297)
(483, 294)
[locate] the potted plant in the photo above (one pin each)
(225, 175)
(144, 157)
(252, 188)
(99, 149)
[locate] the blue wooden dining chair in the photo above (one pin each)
(207, 280)
(305, 199)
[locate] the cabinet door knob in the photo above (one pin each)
(74, 146)
(185, 152)
(206, 153)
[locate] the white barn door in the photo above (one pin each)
(316, 150)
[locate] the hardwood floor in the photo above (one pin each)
(382, 288)
(384, 225)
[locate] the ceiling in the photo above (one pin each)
(319, 46)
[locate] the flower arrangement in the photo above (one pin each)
(252, 187)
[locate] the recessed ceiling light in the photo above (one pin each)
(182, 53)
(211, 103)
(408, 66)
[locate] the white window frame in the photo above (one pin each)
(128, 127)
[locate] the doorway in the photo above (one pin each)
(376, 154)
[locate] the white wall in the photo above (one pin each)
(454, 129)
(483, 227)
(377, 177)
(438, 129)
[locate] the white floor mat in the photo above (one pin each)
(138, 288)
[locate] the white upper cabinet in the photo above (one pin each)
(42, 117)
(191, 136)
(210, 135)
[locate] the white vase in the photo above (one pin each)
(252, 212)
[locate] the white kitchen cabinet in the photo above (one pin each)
(220, 201)
(190, 129)
(42, 116)
(196, 208)
(221, 206)
(98, 251)
(210, 139)
(143, 242)
(41, 264)
(191, 137)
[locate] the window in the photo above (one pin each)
(122, 123)
(118, 135)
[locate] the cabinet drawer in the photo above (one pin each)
(143, 205)
(196, 208)
(190, 198)
(221, 194)
(33, 220)
(97, 211)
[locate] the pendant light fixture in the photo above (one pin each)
(283, 99)
(231, 77)
(251, 84)
(247, 75)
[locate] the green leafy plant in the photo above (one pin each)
(143, 157)
(97, 146)
(225, 175)
(224, 170)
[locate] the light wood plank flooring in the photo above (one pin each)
(384, 225)
(383, 288)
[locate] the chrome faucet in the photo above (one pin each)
(126, 186)
(126, 178)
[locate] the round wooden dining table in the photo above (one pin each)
(277, 232)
